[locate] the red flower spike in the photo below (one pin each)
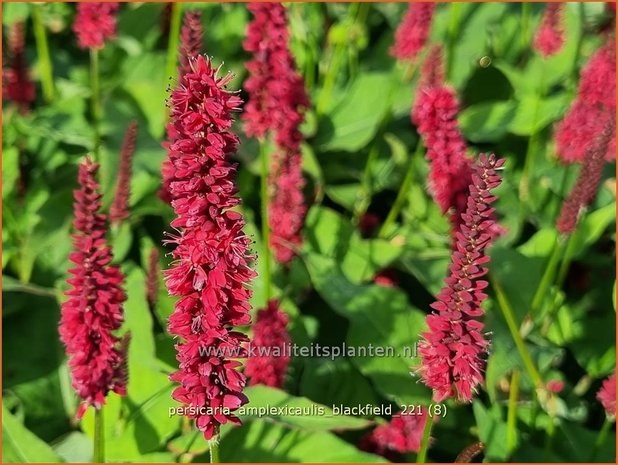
(607, 395)
(269, 334)
(16, 83)
(95, 23)
(277, 98)
(413, 32)
(190, 39)
(452, 350)
(585, 188)
(93, 310)
(593, 106)
(190, 46)
(210, 273)
(402, 434)
(435, 116)
(119, 209)
(549, 37)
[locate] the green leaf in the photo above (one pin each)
(74, 447)
(20, 445)
(380, 317)
(492, 431)
(355, 120)
(261, 441)
(309, 415)
(487, 121)
(10, 170)
(533, 113)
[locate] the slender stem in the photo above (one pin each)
(42, 48)
(422, 453)
(329, 81)
(511, 421)
(264, 197)
(509, 316)
(566, 260)
(607, 424)
(213, 446)
(453, 30)
(363, 197)
(173, 40)
(547, 279)
(402, 194)
(99, 441)
(96, 99)
(549, 439)
(525, 21)
(533, 142)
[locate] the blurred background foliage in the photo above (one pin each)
(359, 145)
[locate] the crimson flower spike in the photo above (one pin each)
(277, 99)
(93, 311)
(95, 23)
(607, 395)
(453, 349)
(595, 102)
(190, 39)
(435, 115)
(549, 37)
(210, 273)
(269, 333)
(585, 188)
(190, 46)
(119, 209)
(16, 83)
(402, 434)
(413, 32)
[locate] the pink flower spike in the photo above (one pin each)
(93, 311)
(549, 37)
(95, 23)
(210, 273)
(270, 361)
(607, 395)
(453, 349)
(413, 32)
(119, 209)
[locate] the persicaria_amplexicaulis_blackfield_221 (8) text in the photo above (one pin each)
(210, 272)
(454, 347)
(93, 311)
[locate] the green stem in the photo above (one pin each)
(99, 442)
(607, 424)
(213, 446)
(422, 453)
(330, 79)
(42, 48)
(551, 430)
(547, 279)
(525, 21)
(511, 421)
(402, 195)
(566, 260)
(173, 40)
(96, 99)
(509, 316)
(264, 197)
(453, 32)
